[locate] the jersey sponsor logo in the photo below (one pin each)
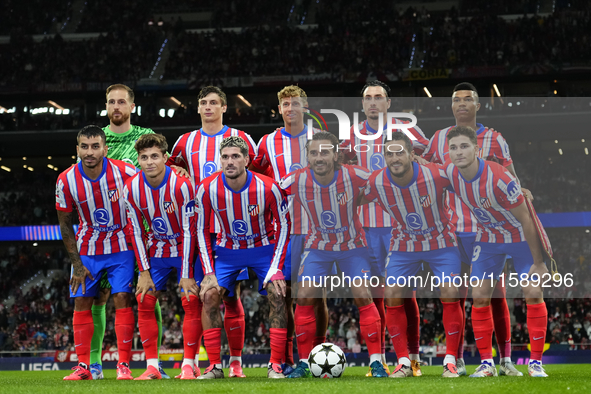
(485, 202)
(342, 198)
(414, 221)
(209, 168)
(253, 210)
(190, 208)
(283, 206)
(101, 216)
(240, 227)
(377, 161)
(168, 206)
(481, 215)
(159, 226)
(425, 201)
(114, 195)
(513, 192)
(328, 218)
(295, 167)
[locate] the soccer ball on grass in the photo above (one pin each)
(327, 361)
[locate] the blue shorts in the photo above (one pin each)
(489, 258)
(161, 268)
(317, 264)
(378, 246)
(295, 248)
(243, 275)
(445, 264)
(227, 272)
(120, 271)
(466, 246)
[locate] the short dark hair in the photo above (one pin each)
(465, 131)
(234, 141)
(400, 136)
(213, 89)
(376, 83)
(120, 86)
(91, 131)
(151, 140)
(324, 136)
(465, 86)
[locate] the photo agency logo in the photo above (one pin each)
(374, 139)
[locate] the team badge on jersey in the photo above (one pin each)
(425, 201)
(485, 202)
(342, 198)
(114, 195)
(253, 210)
(168, 207)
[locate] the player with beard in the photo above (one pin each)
(493, 147)
(505, 228)
(278, 154)
(376, 223)
(120, 139)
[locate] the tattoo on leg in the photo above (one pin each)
(277, 312)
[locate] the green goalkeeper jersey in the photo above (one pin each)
(122, 146)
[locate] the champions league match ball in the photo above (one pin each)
(327, 361)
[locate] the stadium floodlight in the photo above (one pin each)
(104, 112)
(170, 113)
(162, 113)
(51, 110)
(24, 158)
(56, 105)
(65, 111)
(48, 157)
(30, 169)
(139, 110)
(496, 89)
(50, 166)
(58, 111)
(5, 168)
(560, 151)
(586, 151)
(427, 91)
(245, 101)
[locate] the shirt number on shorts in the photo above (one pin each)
(476, 252)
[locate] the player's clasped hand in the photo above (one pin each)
(144, 284)
(189, 286)
(209, 282)
(79, 278)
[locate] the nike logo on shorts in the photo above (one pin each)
(124, 341)
(535, 339)
(78, 345)
(145, 341)
(191, 344)
(394, 336)
(452, 333)
(299, 335)
(234, 328)
(373, 333)
(478, 339)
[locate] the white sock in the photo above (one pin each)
(460, 359)
(375, 357)
(505, 360)
(414, 357)
(236, 358)
(404, 360)
(383, 358)
(196, 361)
(449, 359)
(153, 362)
(188, 361)
(489, 360)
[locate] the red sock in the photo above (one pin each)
(289, 351)
(212, 338)
(483, 330)
(124, 326)
(463, 294)
(379, 302)
(371, 328)
(278, 339)
(537, 320)
(148, 326)
(396, 317)
(234, 326)
(452, 323)
(191, 335)
(318, 340)
(413, 321)
(83, 331)
(305, 330)
(502, 322)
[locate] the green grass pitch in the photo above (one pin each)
(568, 379)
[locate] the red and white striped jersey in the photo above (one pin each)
(332, 209)
(101, 210)
(370, 155)
(248, 217)
(418, 208)
(169, 211)
(493, 147)
(280, 153)
(199, 153)
(490, 196)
